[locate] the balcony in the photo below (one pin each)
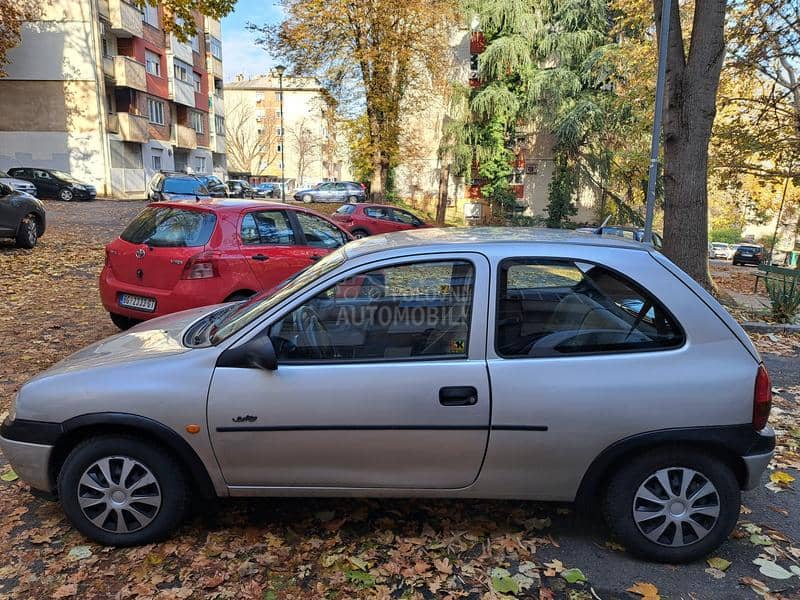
(218, 104)
(126, 19)
(181, 92)
(215, 68)
(185, 137)
(108, 66)
(213, 28)
(181, 50)
(131, 128)
(129, 73)
(219, 144)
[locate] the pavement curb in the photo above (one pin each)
(760, 327)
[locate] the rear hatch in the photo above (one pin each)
(154, 249)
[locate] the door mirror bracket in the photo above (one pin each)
(257, 353)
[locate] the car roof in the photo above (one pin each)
(230, 205)
(475, 238)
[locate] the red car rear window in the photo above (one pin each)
(170, 227)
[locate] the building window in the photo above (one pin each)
(259, 97)
(182, 71)
(197, 121)
(216, 47)
(151, 15)
(259, 115)
(278, 96)
(155, 111)
(104, 41)
(279, 131)
(201, 164)
(279, 148)
(278, 114)
(198, 82)
(152, 63)
(156, 160)
(219, 122)
(195, 41)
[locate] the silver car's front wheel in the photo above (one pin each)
(119, 494)
(121, 490)
(676, 507)
(672, 504)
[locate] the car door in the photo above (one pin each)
(46, 184)
(401, 402)
(405, 220)
(268, 244)
(317, 236)
(380, 220)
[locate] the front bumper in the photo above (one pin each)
(30, 461)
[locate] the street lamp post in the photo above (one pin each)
(280, 70)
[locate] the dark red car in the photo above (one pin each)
(179, 255)
(368, 219)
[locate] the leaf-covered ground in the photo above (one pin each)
(346, 548)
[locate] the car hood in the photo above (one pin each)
(13, 181)
(152, 339)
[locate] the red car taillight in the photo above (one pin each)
(201, 266)
(762, 399)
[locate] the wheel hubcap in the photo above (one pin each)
(676, 507)
(119, 494)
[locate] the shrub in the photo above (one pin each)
(784, 294)
(727, 235)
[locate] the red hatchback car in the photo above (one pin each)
(178, 255)
(369, 219)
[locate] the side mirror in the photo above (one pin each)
(257, 353)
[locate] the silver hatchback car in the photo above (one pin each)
(479, 363)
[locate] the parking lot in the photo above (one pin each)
(340, 548)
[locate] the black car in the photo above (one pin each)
(51, 183)
(22, 217)
(748, 254)
(214, 185)
(168, 186)
(239, 188)
(266, 190)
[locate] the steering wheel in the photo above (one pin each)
(314, 336)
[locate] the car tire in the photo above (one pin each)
(66, 194)
(352, 199)
(27, 232)
(308, 198)
(360, 233)
(239, 296)
(123, 322)
(102, 510)
(688, 472)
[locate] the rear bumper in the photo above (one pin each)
(747, 260)
(186, 294)
(30, 461)
(759, 456)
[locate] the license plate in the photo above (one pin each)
(137, 302)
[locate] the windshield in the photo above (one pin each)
(170, 227)
(183, 186)
(64, 176)
(263, 302)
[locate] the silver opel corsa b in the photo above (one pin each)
(466, 363)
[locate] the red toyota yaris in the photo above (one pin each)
(179, 255)
(369, 219)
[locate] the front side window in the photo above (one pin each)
(319, 233)
(411, 311)
(269, 227)
(402, 216)
(551, 308)
(377, 213)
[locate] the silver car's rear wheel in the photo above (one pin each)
(676, 506)
(119, 494)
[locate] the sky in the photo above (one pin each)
(239, 52)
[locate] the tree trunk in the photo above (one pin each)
(690, 108)
(441, 205)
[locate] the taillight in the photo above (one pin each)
(762, 399)
(201, 266)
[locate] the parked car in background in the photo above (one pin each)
(629, 233)
(748, 254)
(368, 219)
(338, 191)
(266, 190)
(19, 185)
(214, 185)
(168, 186)
(720, 250)
(176, 255)
(55, 184)
(239, 188)
(22, 217)
(420, 352)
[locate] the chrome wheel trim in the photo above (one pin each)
(676, 507)
(66, 195)
(119, 494)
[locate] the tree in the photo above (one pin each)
(14, 14)
(305, 145)
(371, 54)
(251, 144)
(690, 108)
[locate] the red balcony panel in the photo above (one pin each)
(477, 42)
(474, 192)
(519, 190)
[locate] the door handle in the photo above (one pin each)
(260, 257)
(458, 396)
(315, 257)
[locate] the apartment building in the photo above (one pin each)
(305, 137)
(97, 88)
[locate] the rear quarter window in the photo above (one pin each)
(170, 227)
